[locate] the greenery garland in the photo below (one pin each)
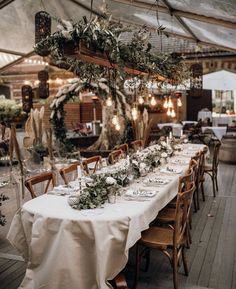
(104, 36)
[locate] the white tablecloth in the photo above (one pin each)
(219, 131)
(204, 114)
(189, 122)
(176, 128)
(222, 119)
(71, 249)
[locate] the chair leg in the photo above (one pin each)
(137, 265)
(195, 201)
(197, 191)
(175, 269)
(216, 181)
(213, 186)
(184, 262)
(147, 256)
(203, 193)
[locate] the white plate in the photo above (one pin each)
(140, 193)
(171, 170)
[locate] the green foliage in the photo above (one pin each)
(9, 110)
(103, 36)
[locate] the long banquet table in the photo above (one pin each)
(66, 248)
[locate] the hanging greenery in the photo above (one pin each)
(104, 37)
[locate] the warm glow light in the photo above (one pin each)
(179, 102)
(109, 101)
(117, 126)
(59, 81)
(36, 82)
(115, 120)
(165, 104)
(140, 100)
(168, 112)
(173, 114)
(153, 101)
(134, 113)
(26, 82)
(26, 60)
(170, 103)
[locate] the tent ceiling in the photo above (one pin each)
(190, 22)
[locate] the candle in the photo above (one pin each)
(181, 133)
(79, 172)
(170, 135)
(167, 140)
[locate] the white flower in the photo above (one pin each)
(110, 181)
(142, 166)
(164, 155)
(158, 147)
(163, 143)
(134, 162)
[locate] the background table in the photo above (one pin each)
(204, 114)
(219, 131)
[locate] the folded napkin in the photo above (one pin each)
(155, 181)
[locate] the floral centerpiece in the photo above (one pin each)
(144, 161)
(97, 192)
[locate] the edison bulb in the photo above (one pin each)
(109, 101)
(117, 126)
(114, 120)
(170, 104)
(165, 104)
(153, 101)
(140, 100)
(168, 112)
(134, 113)
(173, 114)
(179, 102)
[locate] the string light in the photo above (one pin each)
(39, 62)
(179, 102)
(134, 113)
(173, 114)
(153, 101)
(117, 126)
(115, 120)
(140, 100)
(165, 104)
(109, 101)
(170, 103)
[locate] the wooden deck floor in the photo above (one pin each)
(211, 258)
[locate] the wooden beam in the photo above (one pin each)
(16, 61)
(11, 52)
(175, 12)
(4, 3)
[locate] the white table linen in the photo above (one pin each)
(204, 114)
(67, 248)
(219, 119)
(219, 131)
(176, 128)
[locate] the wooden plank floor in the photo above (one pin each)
(211, 258)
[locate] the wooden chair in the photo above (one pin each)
(137, 144)
(66, 171)
(47, 177)
(119, 282)
(114, 156)
(201, 172)
(124, 147)
(96, 160)
(212, 168)
(167, 215)
(169, 240)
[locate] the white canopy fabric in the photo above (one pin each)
(220, 80)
